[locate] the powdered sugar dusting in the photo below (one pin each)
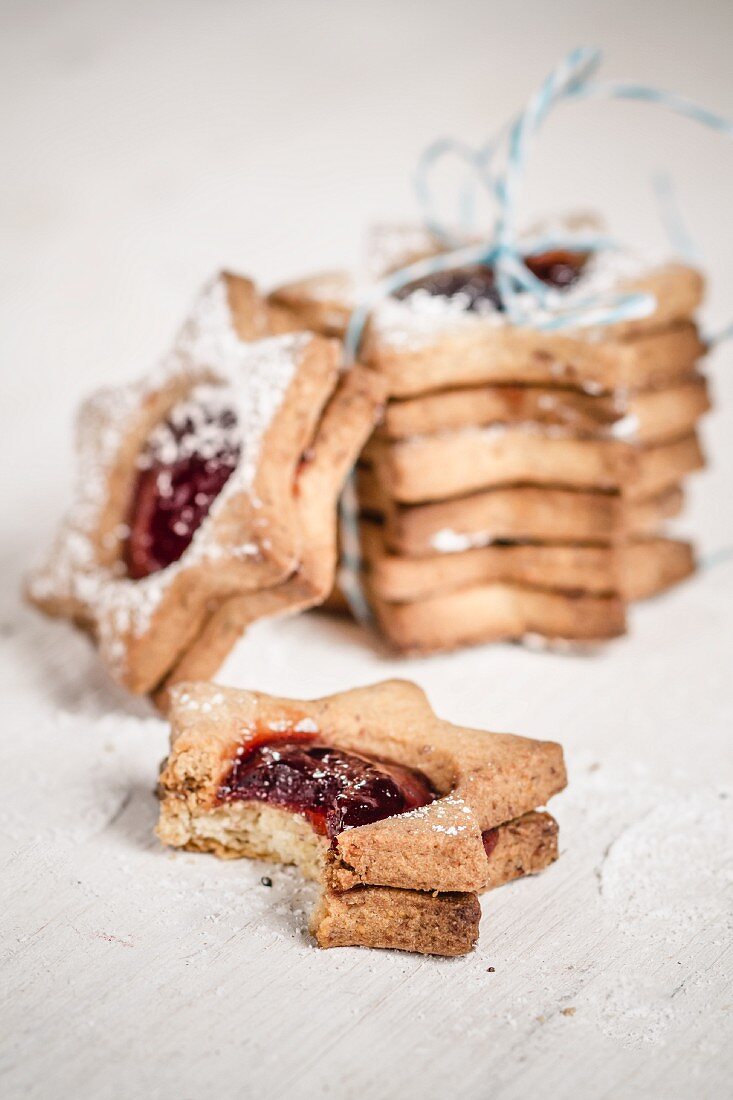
(203, 423)
(626, 427)
(421, 318)
(443, 815)
(251, 379)
(390, 246)
(650, 884)
(306, 725)
(449, 541)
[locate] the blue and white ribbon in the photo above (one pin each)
(520, 290)
(498, 168)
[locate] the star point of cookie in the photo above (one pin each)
(367, 792)
(187, 484)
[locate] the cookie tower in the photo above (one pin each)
(520, 482)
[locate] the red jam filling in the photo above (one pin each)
(477, 283)
(334, 790)
(172, 497)
(490, 839)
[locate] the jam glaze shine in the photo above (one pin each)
(174, 492)
(334, 790)
(476, 283)
(490, 839)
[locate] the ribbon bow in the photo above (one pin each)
(499, 168)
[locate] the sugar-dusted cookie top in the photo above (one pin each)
(449, 328)
(425, 794)
(185, 483)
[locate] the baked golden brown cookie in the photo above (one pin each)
(497, 612)
(632, 569)
(455, 463)
(570, 443)
(345, 424)
(445, 924)
(187, 491)
(646, 416)
(519, 513)
(421, 350)
(421, 347)
(320, 303)
(366, 788)
(402, 920)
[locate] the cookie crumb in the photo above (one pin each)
(491, 970)
(567, 1011)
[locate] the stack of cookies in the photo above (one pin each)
(401, 819)
(519, 484)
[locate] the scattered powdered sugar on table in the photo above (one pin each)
(77, 794)
(565, 946)
(671, 873)
(630, 1010)
(255, 378)
(662, 899)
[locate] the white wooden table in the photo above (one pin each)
(147, 145)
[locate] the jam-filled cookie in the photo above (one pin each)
(420, 347)
(365, 791)
(449, 330)
(188, 482)
(344, 424)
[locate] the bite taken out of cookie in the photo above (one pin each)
(402, 818)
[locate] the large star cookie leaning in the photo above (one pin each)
(195, 485)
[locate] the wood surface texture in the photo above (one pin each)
(147, 146)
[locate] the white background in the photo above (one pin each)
(147, 144)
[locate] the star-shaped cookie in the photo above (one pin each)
(364, 789)
(188, 483)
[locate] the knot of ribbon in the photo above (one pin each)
(498, 168)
